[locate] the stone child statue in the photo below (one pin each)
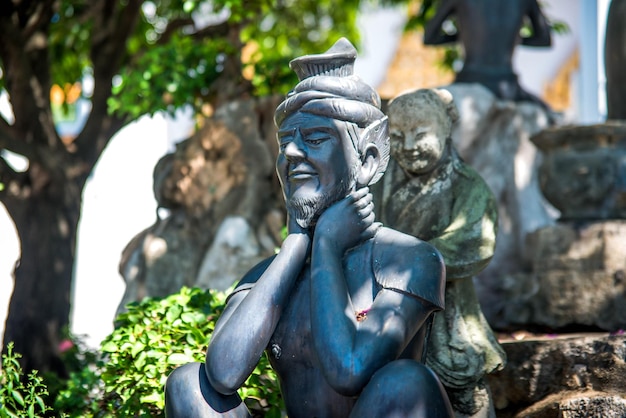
(430, 193)
(342, 308)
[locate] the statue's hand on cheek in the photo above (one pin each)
(348, 222)
(298, 238)
(293, 227)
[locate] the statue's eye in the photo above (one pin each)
(282, 146)
(283, 142)
(396, 136)
(316, 140)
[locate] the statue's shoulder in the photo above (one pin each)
(251, 277)
(405, 263)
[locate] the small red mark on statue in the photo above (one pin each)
(362, 315)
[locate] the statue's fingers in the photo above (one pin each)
(366, 211)
(368, 219)
(370, 231)
(359, 193)
(364, 202)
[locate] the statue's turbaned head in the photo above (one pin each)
(329, 88)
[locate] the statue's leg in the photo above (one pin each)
(403, 389)
(188, 394)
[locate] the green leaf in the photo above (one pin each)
(140, 361)
(173, 313)
(179, 358)
(137, 347)
(154, 397)
(191, 317)
(109, 347)
(18, 397)
(40, 402)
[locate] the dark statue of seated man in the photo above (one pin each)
(343, 308)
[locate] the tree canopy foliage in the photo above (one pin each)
(193, 51)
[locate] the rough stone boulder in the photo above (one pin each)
(578, 278)
(222, 204)
(567, 376)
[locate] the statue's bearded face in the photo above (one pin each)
(317, 164)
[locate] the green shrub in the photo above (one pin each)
(19, 399)
(150, 340)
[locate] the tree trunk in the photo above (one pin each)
(40, 305)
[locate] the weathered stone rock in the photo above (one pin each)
(578, 278)
(233, 251)
(162, 258)
(576, 405)
(226, 169)
(493, 136)
(561, 376)
(603, 405)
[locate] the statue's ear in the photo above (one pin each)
(374, 152)
(370, 161)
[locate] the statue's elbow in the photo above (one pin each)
(223, 379)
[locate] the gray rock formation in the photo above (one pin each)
(562, 377)
(223, 173)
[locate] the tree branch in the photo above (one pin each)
(9, 142)
(220, 29)
(172, 27)
(24, 56)
(112, 28)
(40, 17)
(7, 173)
(9, 179)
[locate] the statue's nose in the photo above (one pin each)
(293, 151)
(410, 141)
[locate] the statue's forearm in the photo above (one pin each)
(240, 337)
(541, 32)
(333, 321)
(331, 307)
(433, 32)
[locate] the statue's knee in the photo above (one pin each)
(401, 370)
(188, 394)
(422, 379)
(181, 377)
(180, 386)
(407, 387)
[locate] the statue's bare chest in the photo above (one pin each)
(292, 342)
